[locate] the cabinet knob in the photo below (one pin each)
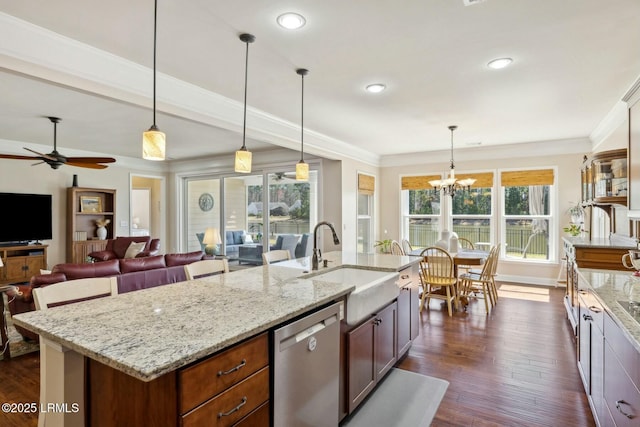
(404, 276)
(586, 317)
(595, 309)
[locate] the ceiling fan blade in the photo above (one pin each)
(46, 156)
(86, 165)
(91, 159)
(11, 156)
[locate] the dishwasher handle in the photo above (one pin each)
(296, 336)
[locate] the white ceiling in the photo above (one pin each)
(573, 60)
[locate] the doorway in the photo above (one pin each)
(146, 213)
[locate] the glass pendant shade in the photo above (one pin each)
(243, 161)
(302, 171)
(153, 144)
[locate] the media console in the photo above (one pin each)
(21, 262)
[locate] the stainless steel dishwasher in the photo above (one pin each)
(306, 370)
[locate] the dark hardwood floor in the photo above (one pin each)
(513, 367)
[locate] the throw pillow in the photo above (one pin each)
(134, 249)
(42, 271)
(246, 238)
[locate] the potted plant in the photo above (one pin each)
(577, 214)
(384, 246)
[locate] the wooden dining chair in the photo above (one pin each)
(473, 283)
(54, 357)
(396, 249)
(206, 267)
(406, 246)
(465, 243)
(437, 278)
(276, 256)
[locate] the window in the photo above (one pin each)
(366, 189)
(527, 221)
(472, 210)
(420, 211)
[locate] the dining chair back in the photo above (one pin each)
(52, 359)
(406, 246)
(396, 249)
(438, 278)
(71, 291)
(465, 243)
(276, 256)
(206, 267)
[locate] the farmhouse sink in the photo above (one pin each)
(374, 290)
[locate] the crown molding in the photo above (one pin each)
(612, 121)
(508, 151)
(37, 52)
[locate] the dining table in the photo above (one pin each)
(474, 257)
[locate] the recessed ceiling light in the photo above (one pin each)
(291, 21)
(496, 64)
(376, 88)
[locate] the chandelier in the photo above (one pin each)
(450, 185)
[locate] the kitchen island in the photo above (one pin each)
(152, 333)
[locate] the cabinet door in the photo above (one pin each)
(33, 265)
(584, 344)
(404, 320)
(14, 268)
(414, 312)
(386, 338)
(597, 374)
(361, 369)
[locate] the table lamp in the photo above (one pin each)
(211, 240)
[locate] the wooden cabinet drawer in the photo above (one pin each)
(231, 406)
(206, 379)
(258, 418)
(620, 394)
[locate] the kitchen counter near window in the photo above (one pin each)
(151, 332)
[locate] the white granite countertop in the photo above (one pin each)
(612, 286)
(151, 332)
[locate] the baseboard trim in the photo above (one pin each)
(529, 280)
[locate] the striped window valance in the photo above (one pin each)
(366, 184)
(526, 178)
(418, 182)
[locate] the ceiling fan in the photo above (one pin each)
(55, 159)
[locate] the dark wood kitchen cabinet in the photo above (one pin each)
(408, 306)
(371, 353)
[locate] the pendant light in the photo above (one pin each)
(243, 156)
(153, 140)
(302, 168)
(450, 185)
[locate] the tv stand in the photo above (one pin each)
(13, 244)
(21, 262)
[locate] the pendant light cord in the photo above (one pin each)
(155, 29)
(244, 120)
(452, 128)
(302, 122)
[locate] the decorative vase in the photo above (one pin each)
(101, 232)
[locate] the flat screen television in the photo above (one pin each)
(25, 217)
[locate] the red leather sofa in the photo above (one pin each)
(133, 274)
(116, 248)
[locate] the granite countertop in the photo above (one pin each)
(151, 332)
(612, 286)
